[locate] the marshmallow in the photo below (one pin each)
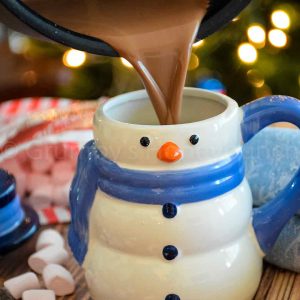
(24, 161)
(49, 255)
(37, 180)
(59, 151)
(11, 165)
(61, 172)
(41, 159)
(21, 183)
(66, 151)
(38, 295)
(58, 279)
(49, 237)
(17, 285)
(61, 194)
(41, 196)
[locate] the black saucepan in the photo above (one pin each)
(16, 15)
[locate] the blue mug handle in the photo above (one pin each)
(269, 219)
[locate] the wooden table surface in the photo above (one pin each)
(276, 284)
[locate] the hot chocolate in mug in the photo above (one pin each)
(164, 212)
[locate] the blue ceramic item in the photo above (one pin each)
(172, 202)
(17, 223)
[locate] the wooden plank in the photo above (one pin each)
(281, 285)
(289, 286)
(295, 292)
(265, 283)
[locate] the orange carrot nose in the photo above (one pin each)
(169, 152)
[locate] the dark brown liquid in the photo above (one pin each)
(154, 35)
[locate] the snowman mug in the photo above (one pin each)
(164, 212)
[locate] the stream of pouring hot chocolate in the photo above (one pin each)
(156, 36)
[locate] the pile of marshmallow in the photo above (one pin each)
(47, 262)
(44, 173)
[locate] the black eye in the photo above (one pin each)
(194, 139)
(144, 141)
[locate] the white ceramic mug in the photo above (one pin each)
(165, 212)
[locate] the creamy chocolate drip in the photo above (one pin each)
(156, 36)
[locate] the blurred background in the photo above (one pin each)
(257, 54)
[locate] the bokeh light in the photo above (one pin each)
(263, 91)
(198, 44)
(256, 34)
(18, 43)
(247, 53)
(74, 58)
(255, 78)
(277, 38)
(29, 78)
(126, 63)
(281, 19)
(194, 62)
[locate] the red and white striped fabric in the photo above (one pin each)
(54, 215)
(31, 124)
(22, 107)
